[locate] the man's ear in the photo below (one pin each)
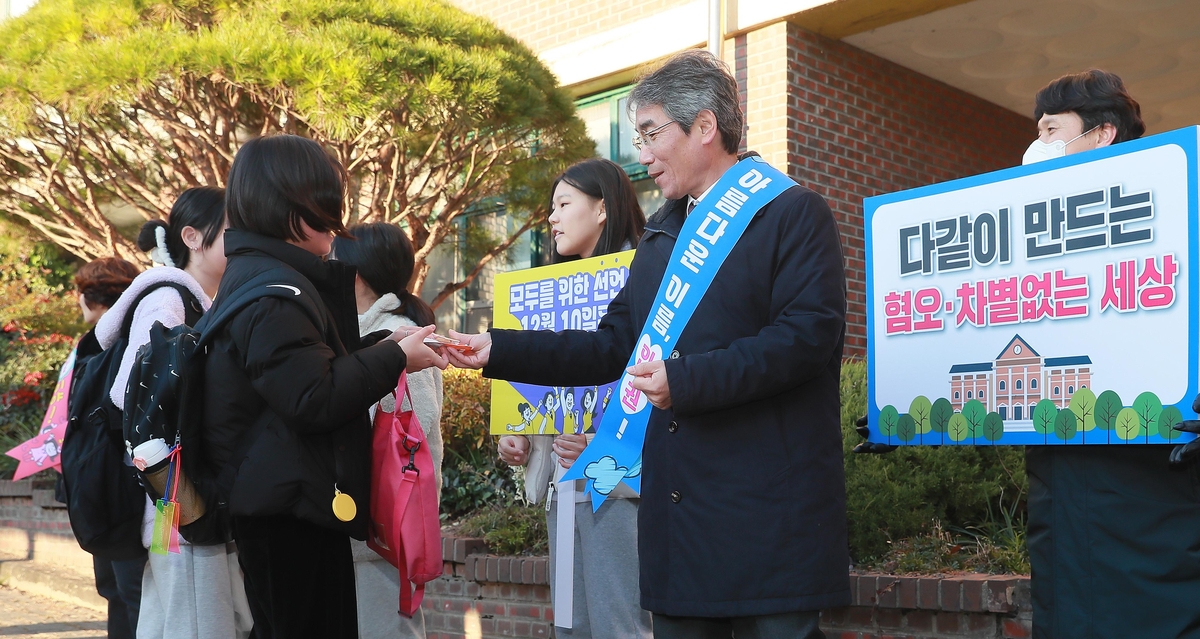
(705, 126)
(1108, 135)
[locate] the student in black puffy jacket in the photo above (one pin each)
(286, 394)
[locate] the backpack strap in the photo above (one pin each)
(282, 282)
(192, 310)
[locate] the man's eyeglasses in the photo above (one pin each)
(647, 138)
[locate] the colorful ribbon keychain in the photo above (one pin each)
(165, 537)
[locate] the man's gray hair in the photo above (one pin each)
(691, 82)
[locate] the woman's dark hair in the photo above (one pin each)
(202, 208)
(602, 179)
(1097, 97)
(102, 281)
(384, 258)
(277, 181)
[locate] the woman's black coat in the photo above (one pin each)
(743, 506)
(300, 393)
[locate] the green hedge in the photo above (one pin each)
(916, 491)
(473, 477)
(39, 320)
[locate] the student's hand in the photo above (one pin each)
(420, 356)
(651, 379)
(568, 447)
(514, 450)
(477, 357)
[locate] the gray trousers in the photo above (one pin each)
(789, 625)
(607, 599)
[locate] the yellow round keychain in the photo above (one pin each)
(344, 507)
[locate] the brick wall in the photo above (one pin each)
(859, 125)
(975, 606)
(24, 506)
(481, 596)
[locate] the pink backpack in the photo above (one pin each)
(404, 504)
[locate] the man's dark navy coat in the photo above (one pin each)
(743, 508)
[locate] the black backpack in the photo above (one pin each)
(104, 499)
(165, 395)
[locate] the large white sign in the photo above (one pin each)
(1047, 304)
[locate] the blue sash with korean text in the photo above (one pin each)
(707, 237)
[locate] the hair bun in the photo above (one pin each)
(147, 239)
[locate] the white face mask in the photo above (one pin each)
(1039, 150)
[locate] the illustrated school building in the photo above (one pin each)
(854, 98)
(1018, 379)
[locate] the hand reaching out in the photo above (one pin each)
(477, 357)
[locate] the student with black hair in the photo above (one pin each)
(287, 386)
(593, 211)
(195, 593)
(384, 258)
(1113, 530)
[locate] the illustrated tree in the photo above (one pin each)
(975, 413)
(1108, 406)
(1167, 419)
(906, 428)
(888, 418)
(1066, 424)
(993, 427)
(1148, 408)
(957, 428)
(121, 105)
(939, 415)
(1128, 424)
(1083, 404)
(920, 409)
(1044, 415)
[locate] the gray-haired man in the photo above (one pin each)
(742, 527)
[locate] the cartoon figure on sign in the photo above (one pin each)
(527, 415)
(48, 450)
(589, 409)
(607, 397)
(549, 404)
(570, 417)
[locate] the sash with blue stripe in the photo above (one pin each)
(707, 237)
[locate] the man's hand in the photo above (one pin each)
(514, 450)
(1184, 454)
(477, 357)
(651, 379)
(568, 447)
(868, 446)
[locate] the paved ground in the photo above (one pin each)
(26, 616)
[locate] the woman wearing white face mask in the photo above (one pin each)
(1112, 530)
